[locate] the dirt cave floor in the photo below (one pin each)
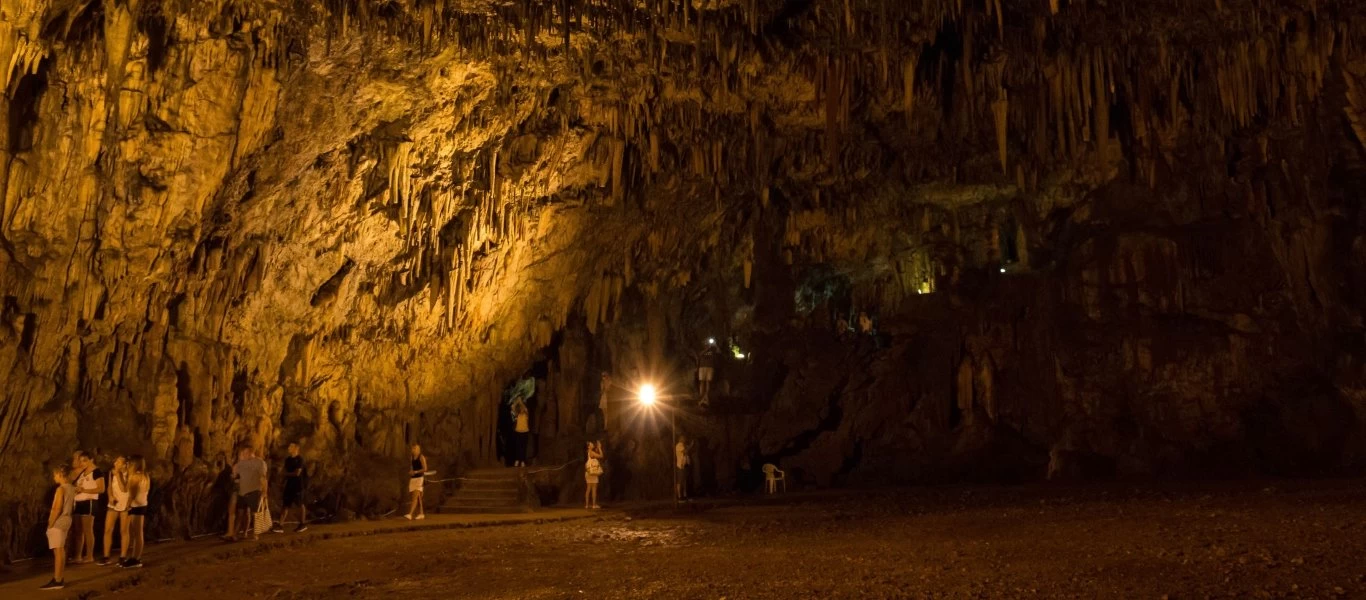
(1257, 540)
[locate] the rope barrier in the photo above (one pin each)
(530, 472)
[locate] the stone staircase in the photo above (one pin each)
(488, 491)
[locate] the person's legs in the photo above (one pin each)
(123, 536)
(232, 517)
(87, 553)
(56, 541)
(111, 518)
(137, 542)
(58, 563)
(594, 488)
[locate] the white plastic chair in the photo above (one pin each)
(772, 476)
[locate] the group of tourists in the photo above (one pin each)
(83, 488)
(71, 520)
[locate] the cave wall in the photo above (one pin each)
(354, 222)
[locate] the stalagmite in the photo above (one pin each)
(999, 108)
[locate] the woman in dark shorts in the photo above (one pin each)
(89, 483)
(139, 484)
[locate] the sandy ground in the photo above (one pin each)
(1240, 540)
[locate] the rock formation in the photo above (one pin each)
(1120, 237)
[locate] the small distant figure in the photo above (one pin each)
(520, 432)
(417, 475)
(139, 485)
(842, 327)
(116, 512)
(250, 473)
(865, 323)
(89, 484)
(231, 534)
(592, 470)
(59, 524)
(706, 371)
(681, 461)
(296, 477)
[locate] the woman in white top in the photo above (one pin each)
(139, 484)
(116, 483)
(592, 470)
(89, 484)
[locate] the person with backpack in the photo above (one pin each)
(591, 472)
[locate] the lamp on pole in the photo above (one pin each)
(648, 396)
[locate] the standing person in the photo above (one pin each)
(116, 513)
(231, 534)
(706, 371)
(250, 472)
(89, 485)
(58, 523)
(139, 484)
(681, 462)
(520, 432)
(417, 474)
(296, 477)
(592, 470)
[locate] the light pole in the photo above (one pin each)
(648, 396)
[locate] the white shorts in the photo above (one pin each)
(56, 536)
(415, 484)
(704, 373)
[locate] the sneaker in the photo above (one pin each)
(132, 563)
(106, 562)
(277, 529)
(301, 528)
(53, 585)
(420, 517)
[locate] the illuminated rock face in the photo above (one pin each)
(356, 222)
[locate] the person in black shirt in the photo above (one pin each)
(296, 477)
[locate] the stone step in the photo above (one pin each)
(495, 473)
(482, 502)
(490, 485)
(504, 494)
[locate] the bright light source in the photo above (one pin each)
(739, 355)
(711, 341)
(1003, 269)
(647, 394)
